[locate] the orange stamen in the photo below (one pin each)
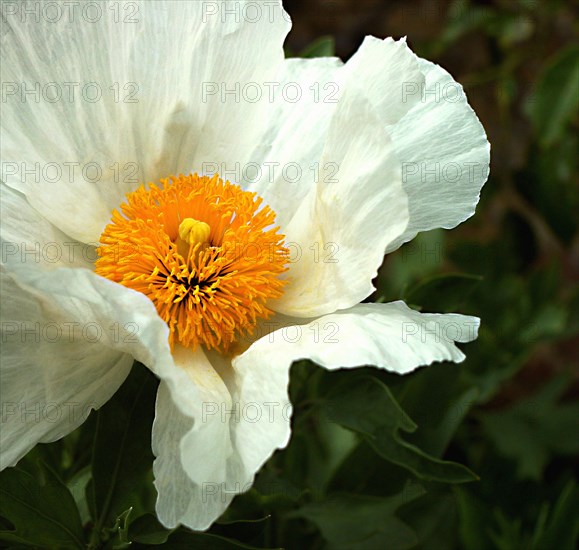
(210, 292)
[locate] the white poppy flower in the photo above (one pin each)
(385, 146)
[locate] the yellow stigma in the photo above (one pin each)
(206, 252)
(194, 232)
(191, 234)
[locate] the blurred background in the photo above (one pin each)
(475, 456)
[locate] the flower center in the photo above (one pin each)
(203, 250)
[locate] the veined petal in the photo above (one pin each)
(383, 68)
(54, 371)
(196, 469)
(390, 336)
(444, 153)
(288, 154)
(259, 392)
(338, 236)
(135, 109)
(354, 205)
(293, 144)
(236, 416)
(28, 238)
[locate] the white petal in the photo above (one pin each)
(383, 68)
(153, 118)
(28, 238)
(444, 153)
(53, 371)
(209, 448)
(127, 319)
(192, 451)
(260, 393)
(390, 336)
(391, 149)
(196, 469)
(355, 205)
(289, 152)
(239, 58)
(338, 237)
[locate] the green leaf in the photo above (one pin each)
(535, 428)
(361, 522)
(122, 456)
(324, 46)
(562, 529)
(409, 264)
(437, 414)
(183, 539)
(77, 486)
(367, 406)
(364, 471)
(556, 96)
(474, 521)
(443, 293)
(40, 508)
(147, 529)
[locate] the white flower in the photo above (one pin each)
(386, 144)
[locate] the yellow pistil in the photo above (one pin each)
(192, 233)
(204, 251)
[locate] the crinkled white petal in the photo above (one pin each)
(54, 370)
(28, 238)
(123, 320)
(390, 336)
(236, 416)
(401, 154)
(444, 153)
(285, 163)
(338, 236)
(196, 469)
(383, 69)
(135, 108)
(259, 391)
(347, 210)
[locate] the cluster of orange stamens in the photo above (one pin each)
(203, 250)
